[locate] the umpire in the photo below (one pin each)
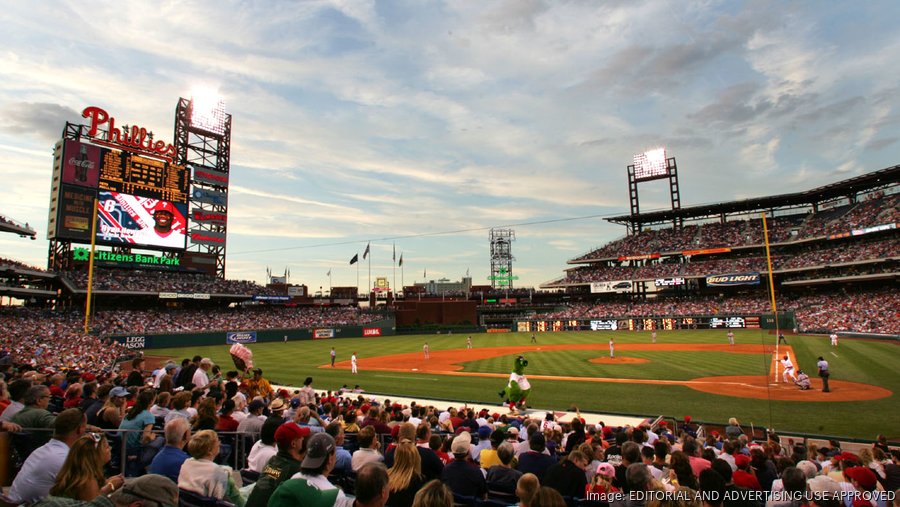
(823, 372)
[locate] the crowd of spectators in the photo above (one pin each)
(55, 341)
(14, 264)
(868, 312)
(110, 322)
(165, 281)
(842, 219)
(811, 257)
(186, 425)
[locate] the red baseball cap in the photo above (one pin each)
(288, 432)
(863, 475)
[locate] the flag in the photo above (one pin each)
(394, 257)
(401, 260)
(366, 253)
(328, 273)
(424, 273)
(354, 259)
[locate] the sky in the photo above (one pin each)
(418, 126)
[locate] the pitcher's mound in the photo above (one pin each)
(619, 360)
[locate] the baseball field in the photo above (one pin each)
(692, 373)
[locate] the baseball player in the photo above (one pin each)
(469, 342)
(788, 369)
(653, 337)
(353, 368)
(612, 349)
(333, 356)
(425, 350)
(730, 337)
(834, 338)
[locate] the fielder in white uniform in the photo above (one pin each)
(730, 337)
(353, 364)
(834, 338)
(788, 369)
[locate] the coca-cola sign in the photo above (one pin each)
(135, 139)
(80, 164)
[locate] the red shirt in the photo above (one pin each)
(746, 480)
(227, 423)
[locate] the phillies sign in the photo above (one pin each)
(136, 139)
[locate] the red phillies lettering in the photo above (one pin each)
(135, 139)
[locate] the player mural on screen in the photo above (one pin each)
(162, 233)
(518, 388)
(135, 220)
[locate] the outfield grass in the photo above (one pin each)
(863, 361)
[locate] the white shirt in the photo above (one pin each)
(321, 483)
(39, 472)
(260, 454)
(200, 380)
(788, 365)
(149, 236)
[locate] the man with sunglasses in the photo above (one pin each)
(35, 413)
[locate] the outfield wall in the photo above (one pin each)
(385, 327)
(731, 321)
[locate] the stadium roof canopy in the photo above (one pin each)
(865, 183)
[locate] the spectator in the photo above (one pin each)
(368, 449)
(259, 386)
(342, 456)
(431, 464)
(310, 486)
(264, 448)
(38, 473)
(568, 476)
(548, 497)
(371, 486)
(502, 478)
(17, 390)
(35, 413)
(201, 475)
(137, 491)
(527, 489)
(405, 475)
(283, 465)
(535, 461)
(638, 479)
(168, 461)
(462, 475)
(602, 482)
(434, 494)
(81, 476)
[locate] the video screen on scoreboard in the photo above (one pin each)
(81, 164)
(124, 219)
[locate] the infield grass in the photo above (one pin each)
(870, 362)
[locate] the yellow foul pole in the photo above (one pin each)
(90, 280)
(771, 294)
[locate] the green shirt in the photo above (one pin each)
(280, 468)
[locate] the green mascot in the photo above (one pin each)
(518, 388)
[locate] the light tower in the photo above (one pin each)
(502, 259)
(203, 145)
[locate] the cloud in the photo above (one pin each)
(43, 120)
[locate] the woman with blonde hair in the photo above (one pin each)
(405, 477)
(733, 430)
(81, 476)
(202, 476)
(433, 494)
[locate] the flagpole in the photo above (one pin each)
(369, 287)
(357, 279)
(394, 267)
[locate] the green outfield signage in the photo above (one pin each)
(124, 259)
(504, 278)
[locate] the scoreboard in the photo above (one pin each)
(143, 176)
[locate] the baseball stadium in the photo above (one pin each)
(770, 323)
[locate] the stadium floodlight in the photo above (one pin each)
(651, 164)
(208, 111)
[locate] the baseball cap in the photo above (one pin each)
(288, 432)
(484, 432)
(741, 460)
(512, 430)
(808, 468)
(606, 470)
(863, 475)
(319, 447)
(171, 366)
(153, 487)
(119, 392)
(295, 402)
(256, 405)
(461, 443)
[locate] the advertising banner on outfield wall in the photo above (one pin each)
(717, 322)
(733, 279)
(240, 337)
(371, 331)
(136, 342)
(604, 325)
(321, 334)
